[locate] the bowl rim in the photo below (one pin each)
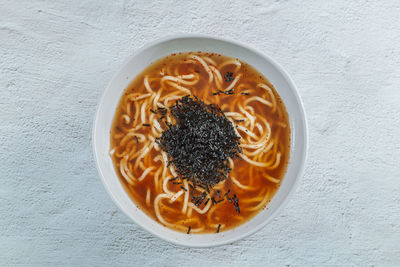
(302, 117)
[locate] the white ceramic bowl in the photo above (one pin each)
(184, 43)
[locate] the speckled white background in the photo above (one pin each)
(56, 58)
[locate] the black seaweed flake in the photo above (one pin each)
(173, 179)
(205, 203)
(216, 93)
(219, 227)
(137, 140)
(228, 76)
(184, 189)
(152, 111)
(219, 194)
(235, 201)
(235, 198)
(245, 93)
(188, 231)
(176, 182)
(219, 201)
(168, 124)
(229, 92)
(198, 200)
(237, 208)
(162, 111)
(200, 143)
(146, 124)
(239, 120)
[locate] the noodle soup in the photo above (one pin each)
(200, 142)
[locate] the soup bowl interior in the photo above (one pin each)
(185, 43)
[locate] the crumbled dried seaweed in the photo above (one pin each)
(228, 76)
(200, 142)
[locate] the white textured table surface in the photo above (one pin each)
(56, 59)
